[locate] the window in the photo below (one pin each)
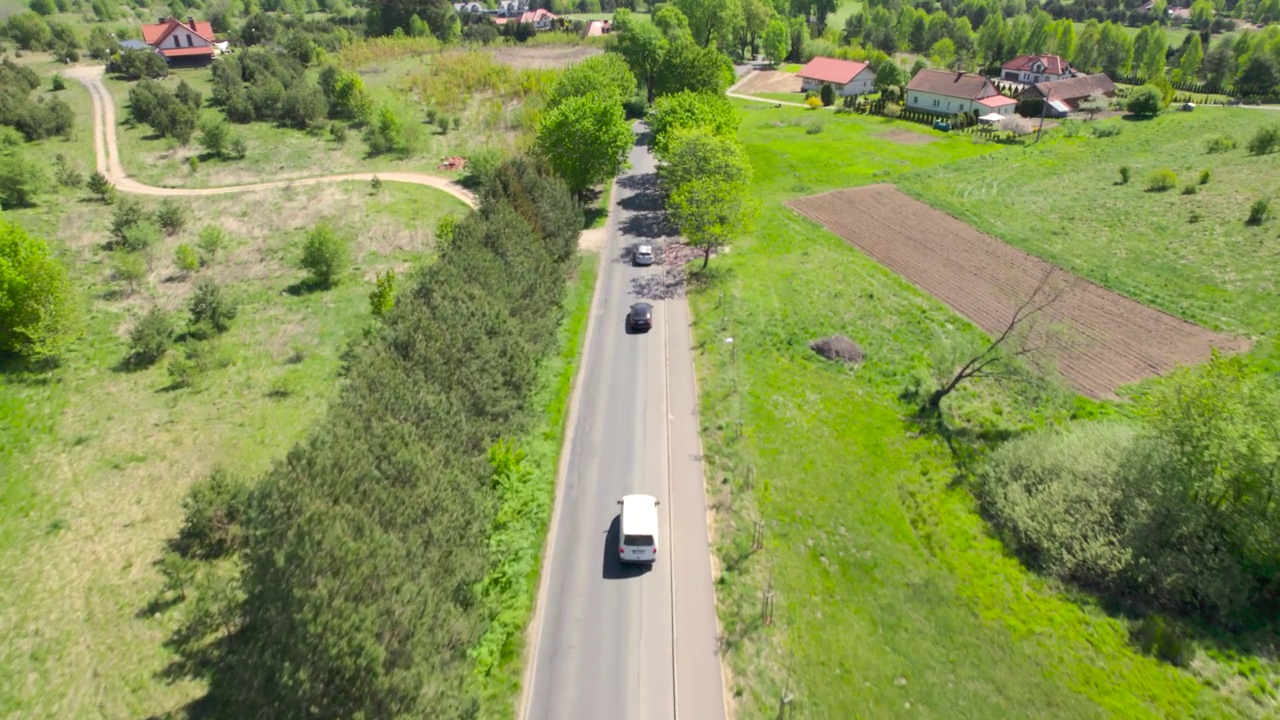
(190, 41)
(935, 102)
(638, 540)
(176, 42)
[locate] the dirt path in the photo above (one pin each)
(731, 92)
(108, 156)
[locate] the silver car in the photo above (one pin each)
(643, 255)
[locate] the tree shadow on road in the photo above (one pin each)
(613, 568)
(647, 217)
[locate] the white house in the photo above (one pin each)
(1031, 69)
(848, 77)
(950, 93)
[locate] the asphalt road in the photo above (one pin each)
(611, 641)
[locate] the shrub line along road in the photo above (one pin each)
(609, 641)
(108, 156)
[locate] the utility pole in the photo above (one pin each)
(1044, 108)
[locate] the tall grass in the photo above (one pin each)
(385, 49)
(453, 80)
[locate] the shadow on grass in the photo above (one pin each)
(307, 286)
(26, 371)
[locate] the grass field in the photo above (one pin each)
(892, 600)
(1190, 255)
(98, 459)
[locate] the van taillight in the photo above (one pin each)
(622, 551)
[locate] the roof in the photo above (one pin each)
(991, 118)
(134, 45)
(1053, 65)
(597, 27)
(156, 33)
(1075, 88)
(533, 16)
(639, 515)
(996, 101)
(186, 52)
(951, 84)
(1060, 106)
(825, 69)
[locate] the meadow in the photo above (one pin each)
(890, 596)
(98, 455)
(1191, 255)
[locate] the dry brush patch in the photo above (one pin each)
(771, 81)
(543, 56)
(1111, 340)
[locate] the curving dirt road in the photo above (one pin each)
(108, 156)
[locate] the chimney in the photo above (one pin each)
(959, 75)
(191, 22)
(163, 20)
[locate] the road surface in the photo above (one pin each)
(611, 641)
(108, 156)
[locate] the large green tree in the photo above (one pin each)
(686, 66)
(39, 312)
(585, 139)
(608, 73)
(711, 211)
(642, 44)
(1189, 63)
(777, 41)
(688, 111)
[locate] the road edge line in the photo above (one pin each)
(671, 564)
(535, 623)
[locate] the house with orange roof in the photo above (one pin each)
(181, 43)
(948, 92)
(849, 78)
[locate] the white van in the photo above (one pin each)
(638, 531)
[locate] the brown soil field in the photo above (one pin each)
(771, 81)
(543, 56)
(1108, 340)
(906, 137)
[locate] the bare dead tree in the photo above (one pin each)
(1023, 338)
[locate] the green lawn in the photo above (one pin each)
(892, 600)
(98, 459)
(791, 67)
(1190, 255)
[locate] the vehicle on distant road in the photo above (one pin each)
(638, 535)
(640, 317)
(643, 255)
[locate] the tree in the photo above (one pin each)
(586, 140)
(211, 310)
(389, 134)
(1065, 42)
(1153, 57)
(1146, 101)
(1023, 339)
(1189, 63)
(693, 153)
(686, 66)
(706, 17)
(39, 311)
(1115, 50)
(943, 52)
(827, 94)
(325, 255)
(1094, 104)
(1088, 48)
(608, 74)
(150, 338)
(777, 41)
(171, 216)
(215, 134)
(1220, 63)
(186, 259)
(100, 186)
(350, 100)
(642, 44)
(383, 297)
(710, 212)
(890, 75)
(1202, 12)
(688, 110)
(672, 22)
(20, 180)
(303, 107)
(129, 268)
(990, 38)
(1260, 74)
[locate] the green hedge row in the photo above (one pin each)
(363, 552)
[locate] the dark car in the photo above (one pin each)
(640, 317)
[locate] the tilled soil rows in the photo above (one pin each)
(1109, 340)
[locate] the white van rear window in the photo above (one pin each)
(637, 540)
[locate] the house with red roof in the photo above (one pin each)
(848, 77)
(949, 92)
(1063, 97)
(181, 43)
(1031, 69)
(541, 19)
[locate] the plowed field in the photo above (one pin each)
(1110, 340)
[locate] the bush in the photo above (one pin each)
(66, 173)
(213, 240)
(186, 259)
(58, 84)
(239, 148)
(1259, 212)
(389, 134)
(383, 297)
(1219, 144)
(480, 167)
(1205, 176)
(129, 268)
(1266, 140)
(39, 312)
(1146, 101)
(827, 95)
(211, 310)
(814, 103)
(325, 256)
(1190, 189)
(1161, 180)
(127, 214)
(100, 186)
(215, 135)
(199, 357)
(214, 511)
(171, 216)
(150, 338)
(1105, 130)
(142, 236)
(20, 181)
(814, 127)
(1125, 174)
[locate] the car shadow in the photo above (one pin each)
(613, 568)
